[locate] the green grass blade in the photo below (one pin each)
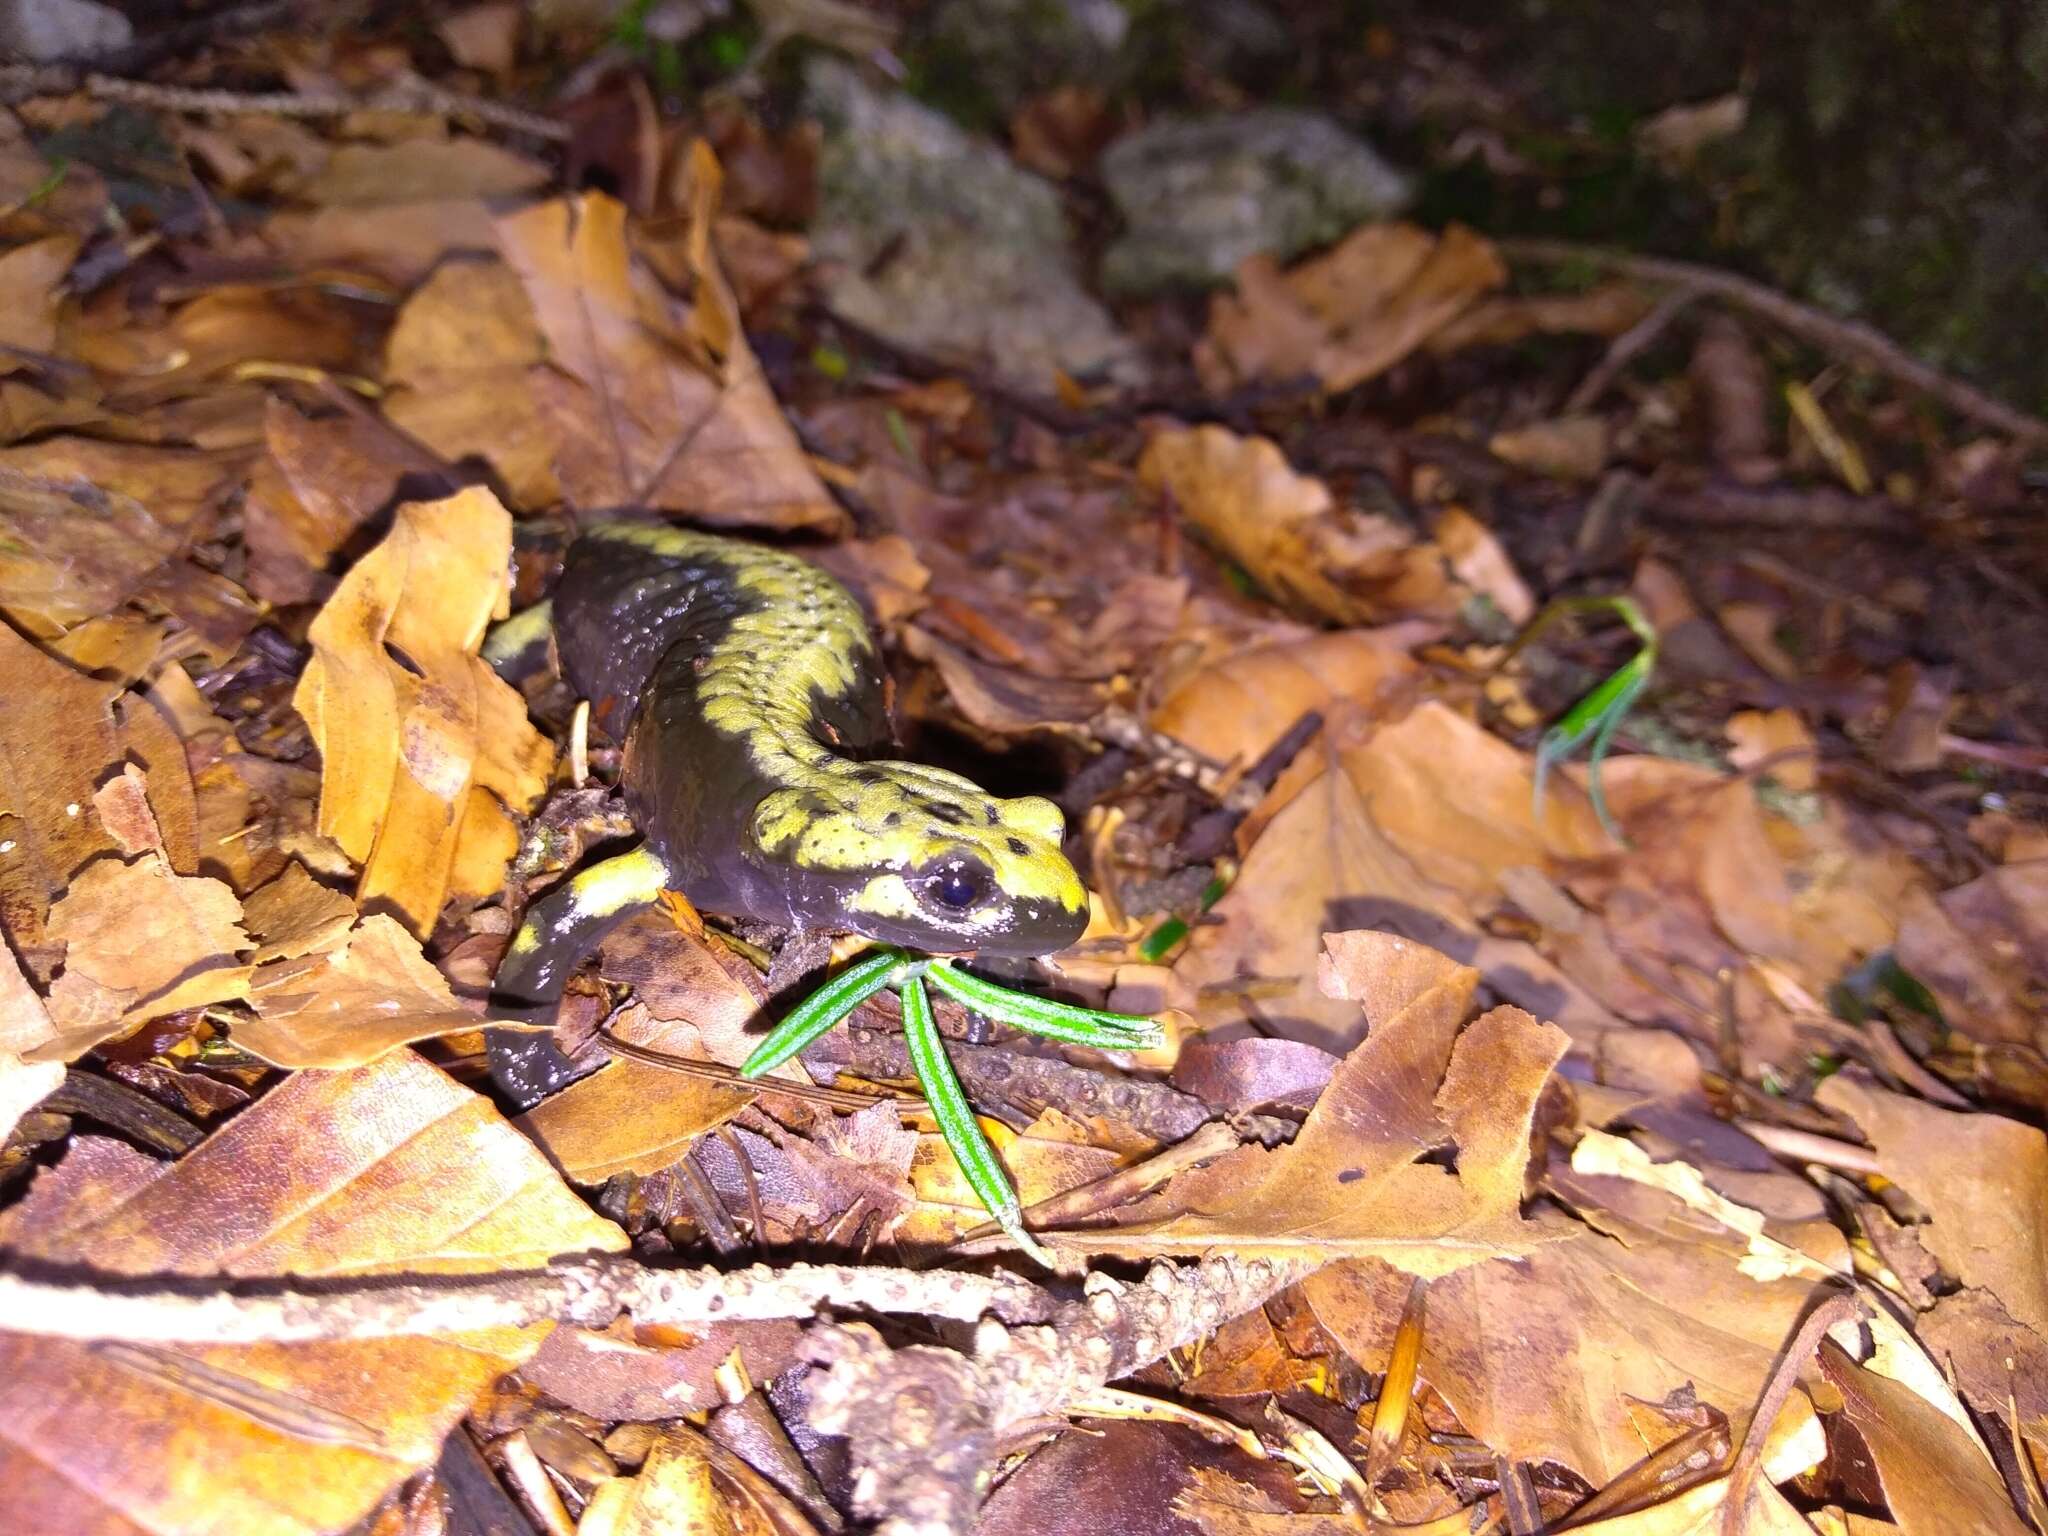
(827, 1006)
(971, 1149)
(1042, 1016)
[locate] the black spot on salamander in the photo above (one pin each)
(1350, 1175)
(995, 817)
(868, 776)
(952, 815)
(894, 818)
(1017, 845)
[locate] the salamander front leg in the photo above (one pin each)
(560, 929)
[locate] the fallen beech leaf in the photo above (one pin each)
(1326, 861)
(389, 1169)
(349, 1006)
(643, 422)
(1286, 530)
(1233, 710)
(1566, 448)
(321, 482)
(1505, 319)
(1702, 1510)
(484, 37)
(1983, 1177)
(629, 1117)
(426, 754)
(1347, 315)
(1595, 1323)
(296, 915)
(1352, 1183)
(1981, 948)
(1936, 1478)
(673, 1492)
(1477, 559)
(458, 367)
(400, 242)
(421, 170)
(29, 278)
(1776, 735)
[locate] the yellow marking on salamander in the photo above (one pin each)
(806, 640)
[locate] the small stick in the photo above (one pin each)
(590, 1292)
(1852, 339)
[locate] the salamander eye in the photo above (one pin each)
(955, 888)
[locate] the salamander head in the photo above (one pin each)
(920, 857)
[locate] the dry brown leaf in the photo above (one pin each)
(322, 480)
(1233, 710)
(1565, 448)
(296, 915)
(484, 37)
(1542, 1357)
(29, 277)
(629, 1117)
(141, 942)
(458, 364)
(1477, 559)
(348, 1006)
(421, 171)
(1982, 949)
(673, 1492)
(1936, 1478)
(389, 1169)
(643, 421)
(1330, 562)
(1776, 736)
(1382, 836)
(1702, 1511)
(1506, 319)
(400, 242)
(1352, 1183)
(85, 525)
(426, 753)
(1349, 314)
(56, 740)
(1983, 1177)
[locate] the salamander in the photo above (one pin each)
(748, 691)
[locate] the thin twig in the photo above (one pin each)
(587, 1291)
(410, 94)
(1628, 346)
(1852, 339)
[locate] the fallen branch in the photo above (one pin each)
(925, 1425)
(590, 1292)
(1852, 339)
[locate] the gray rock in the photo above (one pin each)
(937, 241)
(1198, 196)
(43, 30)
(1000, 52)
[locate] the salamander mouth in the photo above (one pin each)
(1027, 929)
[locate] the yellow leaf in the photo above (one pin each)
(426, 753)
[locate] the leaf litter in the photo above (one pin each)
(1547, 1140)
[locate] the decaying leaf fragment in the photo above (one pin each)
(391, 1168)
(426, 753)
(1349, 314)
(663, 405)
(1353, 1183)
(1286, 529)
